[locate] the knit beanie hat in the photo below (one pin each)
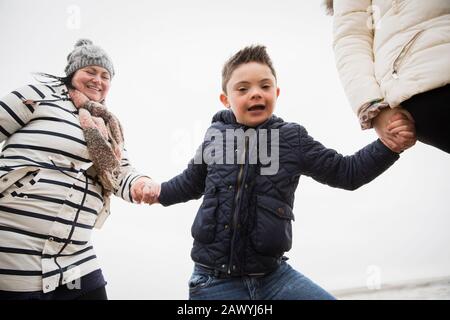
(86, 54)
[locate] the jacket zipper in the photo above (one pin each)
(402, 54)
(236, 204)
(33, 102)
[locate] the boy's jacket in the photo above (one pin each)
(244, 223)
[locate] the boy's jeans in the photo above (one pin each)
(284, 283)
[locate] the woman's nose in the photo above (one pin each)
(96, 79)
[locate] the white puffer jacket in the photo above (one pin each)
(391, 50)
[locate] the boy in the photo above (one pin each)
(243, 226)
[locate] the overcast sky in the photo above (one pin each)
(168, 57)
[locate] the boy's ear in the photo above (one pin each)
(224, 100)
(278, 92)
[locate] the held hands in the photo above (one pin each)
(395, 128)
(145, 190)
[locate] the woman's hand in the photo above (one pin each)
(403, 128)
(145, 190)
(399, 119)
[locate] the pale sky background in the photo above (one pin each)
(168, 57)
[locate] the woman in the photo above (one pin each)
(394, 56)
(62, 158)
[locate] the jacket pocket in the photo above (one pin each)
(403, 53)
(272, 232)
(204, 226)
(18, 181)
(199, 281)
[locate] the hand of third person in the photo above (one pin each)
(403, 130)
(395, 128)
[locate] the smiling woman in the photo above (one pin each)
(93, 81)
(62, 159)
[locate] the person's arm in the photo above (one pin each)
(346, 172)
(127, 178)
(353, 48)
(133, 186)
(16, 109)
(188, 185)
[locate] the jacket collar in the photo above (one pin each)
(227, 117)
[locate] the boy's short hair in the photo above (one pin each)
(255, 53)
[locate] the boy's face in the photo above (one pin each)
(251, 93)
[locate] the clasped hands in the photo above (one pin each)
(145, 190)
(395, 128)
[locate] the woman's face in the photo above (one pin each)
(92, 81)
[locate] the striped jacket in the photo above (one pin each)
(50, 199)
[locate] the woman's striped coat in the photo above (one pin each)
(50, 199)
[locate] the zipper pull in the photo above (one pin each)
(29, 102)
(395, 6)
(394, 74)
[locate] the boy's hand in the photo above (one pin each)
(402, 131)
(145, 190)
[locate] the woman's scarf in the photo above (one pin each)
(104, 139)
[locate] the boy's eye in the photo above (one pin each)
(242, 89)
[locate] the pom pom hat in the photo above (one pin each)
(86, 54)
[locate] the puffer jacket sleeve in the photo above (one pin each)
(128, 175)
(353, 48)
(346, 172)
(14, 113)
(188, 185)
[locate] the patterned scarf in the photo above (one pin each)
(104, 138)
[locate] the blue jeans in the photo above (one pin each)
(284, 283)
